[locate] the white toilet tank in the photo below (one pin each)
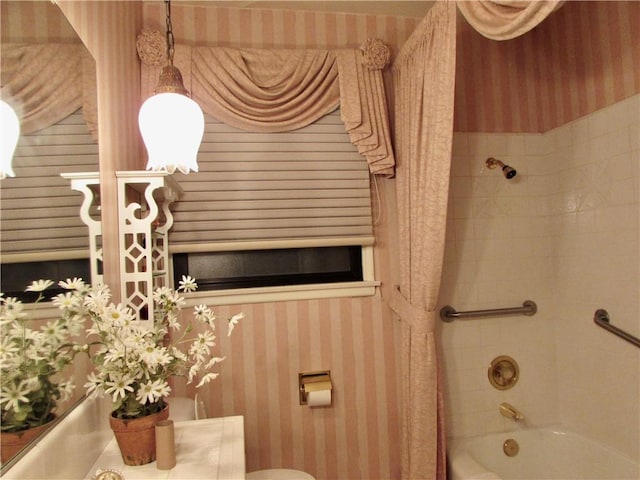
(278, 474)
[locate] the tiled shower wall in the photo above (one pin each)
(498, 254)
(564, 233)
(595, 213)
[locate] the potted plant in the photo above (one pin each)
(134, 362)
(32, 361)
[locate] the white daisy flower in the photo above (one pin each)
(72, 284)
(66, 301)
(66, 389)
(93, 385)
(146, 393)
(213, 361)
(13, 394)
(206, 378)
(39, 286)
(53, 333)
(188, 284)
(233, 321)
(206, 341)
(12, 310)
(119, 386)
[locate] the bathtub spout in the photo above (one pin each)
(511, 412)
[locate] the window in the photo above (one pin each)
(260, 268)
(42, 235)
(286, 211)
(40, 214)
(15, 277)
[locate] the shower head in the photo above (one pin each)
(507, 171)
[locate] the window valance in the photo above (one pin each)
(46, 83)
(506, 19)
(283, 90)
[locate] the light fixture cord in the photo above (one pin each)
(170, 40)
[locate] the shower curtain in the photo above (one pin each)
(424, 76)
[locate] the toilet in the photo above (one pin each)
(185, 408)
(278, 474)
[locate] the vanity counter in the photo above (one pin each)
(211, 449)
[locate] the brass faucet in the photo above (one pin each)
(511, 412)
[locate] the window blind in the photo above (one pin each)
(39, 213)
(308, 187)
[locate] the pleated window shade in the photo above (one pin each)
(39, 213)
(308, 187)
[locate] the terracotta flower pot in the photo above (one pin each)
(136, 437)
(12, 442)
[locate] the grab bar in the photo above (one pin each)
(601, 318)
(449, 314)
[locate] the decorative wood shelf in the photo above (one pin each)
(144, 220)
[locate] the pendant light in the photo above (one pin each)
(10, 133)
(171, 123)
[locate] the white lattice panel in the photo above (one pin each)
(144, 220)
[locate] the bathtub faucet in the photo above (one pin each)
(511, 412)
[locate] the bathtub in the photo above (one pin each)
(544, 453)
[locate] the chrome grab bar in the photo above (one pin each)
(449, 314)
(601, 318)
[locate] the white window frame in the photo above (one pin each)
(364, 288)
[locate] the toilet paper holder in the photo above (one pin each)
(313, 382)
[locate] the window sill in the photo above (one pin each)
(46, 311)
(280, 294)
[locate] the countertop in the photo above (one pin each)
(210, 449)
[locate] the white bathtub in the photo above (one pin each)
(545, 453)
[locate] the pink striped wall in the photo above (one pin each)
(262, 28)
(355, 339)
(108, 29)
(34, 22)
(523, 85)
(358, 437)
(582, 58)
(502, 87)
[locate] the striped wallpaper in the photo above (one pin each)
(108, 30)
(34, 22)
(356, 338)
(355, 438)
(358, 437)
(580, 59)
(262, 28)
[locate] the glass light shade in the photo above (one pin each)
(10, 133)
(172, 126)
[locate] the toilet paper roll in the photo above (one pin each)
(165, 445)
(319, 398)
